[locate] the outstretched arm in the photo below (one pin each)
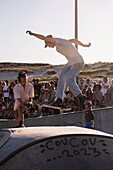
(41, 37)
(75, 41)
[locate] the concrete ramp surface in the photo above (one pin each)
(57, 148)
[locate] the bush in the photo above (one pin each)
(51, 72)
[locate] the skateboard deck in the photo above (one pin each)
(56, 108)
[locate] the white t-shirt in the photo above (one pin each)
(6, 94)
(103, 90)
(66, 48)
(24, 94)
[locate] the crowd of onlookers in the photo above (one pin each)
(100, 93)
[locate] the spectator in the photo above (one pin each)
(1, 90)
(52, 83)
(46, 96)
(41, 98)
(7, 103)
(111, 89)
(85, 89)
(10, 110)
(89, 94)
(38, 87)
(11, 93)
(98, 94)
(81, 84)
(108, 97)
(70, 96)
(52, 93)
(46, 86)
(3, 84)
(94, 83)
(95, 104)
(104, 85)
(6, 90)
(56, 82)
(35, 89)
(73, 105)
(88, 83)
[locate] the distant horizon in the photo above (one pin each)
(15, 62)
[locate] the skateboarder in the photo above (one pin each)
(23, 93)
(72, 68)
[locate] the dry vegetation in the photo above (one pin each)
(96, 70)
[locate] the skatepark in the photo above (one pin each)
(103, 120)
(62, 140)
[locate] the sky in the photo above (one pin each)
(56, 17)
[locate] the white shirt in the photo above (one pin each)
(66, 48)
(6, 94)
(23, 93)
(103, 90)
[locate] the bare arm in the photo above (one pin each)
(77, 42)
(41, 37)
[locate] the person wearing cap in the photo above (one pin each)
(88, 83)
(72, 68)
(23, 93)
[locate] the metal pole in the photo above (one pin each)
(76, 28)
(76, 22)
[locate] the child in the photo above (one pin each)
(89, 116)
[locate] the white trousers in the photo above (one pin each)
(67, 79)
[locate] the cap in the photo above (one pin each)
(22, 74)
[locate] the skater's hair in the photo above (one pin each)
(21, 74)
(48, 36)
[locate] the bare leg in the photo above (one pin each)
(17, 116)
(21, 115)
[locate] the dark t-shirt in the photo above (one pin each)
(37, 88)
(11, 90)
(89, 115)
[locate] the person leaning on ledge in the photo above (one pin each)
(23, 93)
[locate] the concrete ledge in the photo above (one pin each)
(103, 120)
